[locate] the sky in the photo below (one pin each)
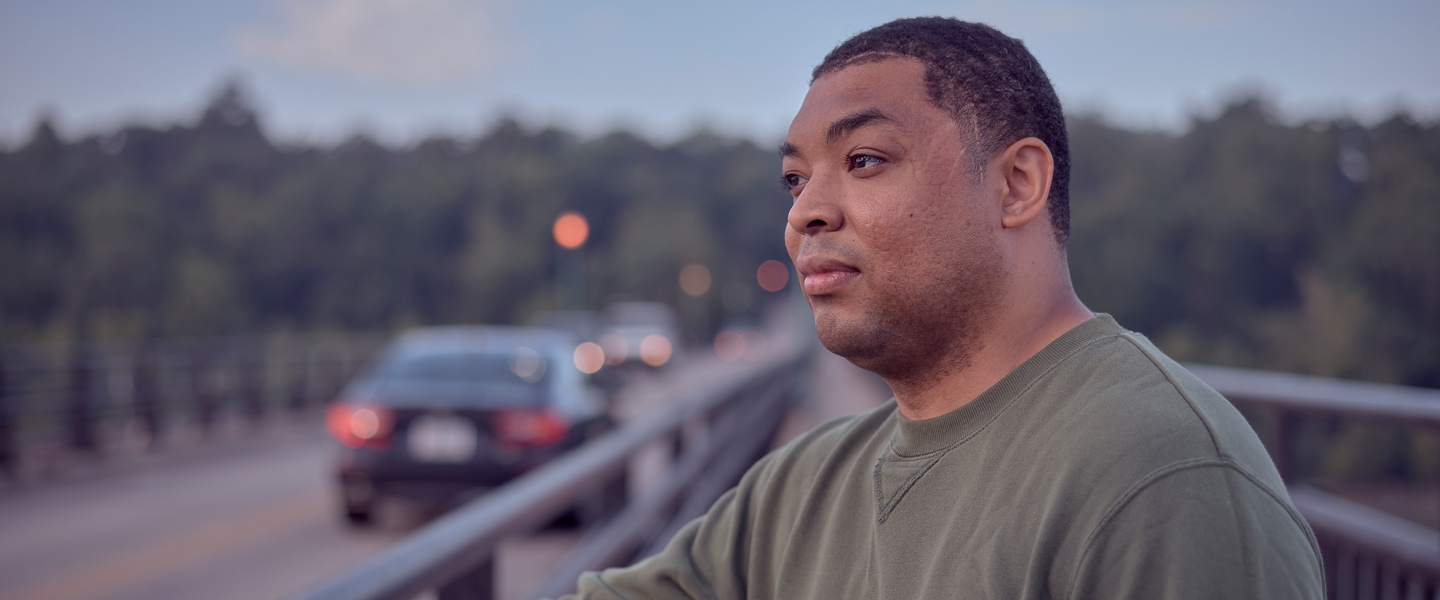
(321, 71)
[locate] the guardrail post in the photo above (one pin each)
(1284, 424)
(1369, 577)
(299, 383)
(81, 425)
(7, 436)
(203, 389)
(478, 584)
(334, 379)
(251, 371)
(147, 391)
(1389, 581)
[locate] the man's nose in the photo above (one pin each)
(816, 209)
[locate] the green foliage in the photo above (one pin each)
(1243, 241)
(210, 228)
(1248, 242)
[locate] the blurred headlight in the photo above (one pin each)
(655, 350)
(589, 357)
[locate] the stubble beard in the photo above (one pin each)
(916, 337)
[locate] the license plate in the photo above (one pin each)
(442, 439)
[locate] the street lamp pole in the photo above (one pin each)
(571, 230)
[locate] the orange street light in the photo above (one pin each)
(571, 230)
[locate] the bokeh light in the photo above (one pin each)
(732, 345)
(571, 230)
(655, 350)
(364, 423)
(772, 275)
(728, 346)
(527, 364)
(695, 280)
(589, 357)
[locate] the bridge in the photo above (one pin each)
(200, 469)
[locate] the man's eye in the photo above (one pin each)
(790, 181)
(861, 161)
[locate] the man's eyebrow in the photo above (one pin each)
(850, 123)
(840, 128)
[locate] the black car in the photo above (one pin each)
(448, 410)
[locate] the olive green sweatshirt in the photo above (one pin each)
(1099, 468)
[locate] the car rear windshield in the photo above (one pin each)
(519, 368)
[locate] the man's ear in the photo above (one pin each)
(1027, 167)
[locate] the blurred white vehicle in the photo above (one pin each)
(640, 333)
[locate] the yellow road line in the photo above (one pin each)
(173, 553)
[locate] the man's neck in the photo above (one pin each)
(1002, 347)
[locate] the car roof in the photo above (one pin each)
(583, 323)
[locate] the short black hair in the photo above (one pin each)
(982, 78)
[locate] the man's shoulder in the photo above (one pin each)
(1155, 453)
(1122, 397)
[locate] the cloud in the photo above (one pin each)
(384, 41)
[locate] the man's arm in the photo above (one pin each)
(1200, 530)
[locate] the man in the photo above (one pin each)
(1033, 449)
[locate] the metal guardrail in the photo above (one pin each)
(90, 397)
(1288, 392)
(716, 432)
(1367, 553)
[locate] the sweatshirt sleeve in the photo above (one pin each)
(1201, 530)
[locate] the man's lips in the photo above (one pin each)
(820, 275)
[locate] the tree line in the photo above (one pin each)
(1245, 240)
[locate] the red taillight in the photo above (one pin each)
(529, 429)
(356, 425)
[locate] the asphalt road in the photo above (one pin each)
(247, 519)
(257, 517)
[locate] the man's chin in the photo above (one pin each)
(847, 338)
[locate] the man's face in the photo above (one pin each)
(890, 228)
